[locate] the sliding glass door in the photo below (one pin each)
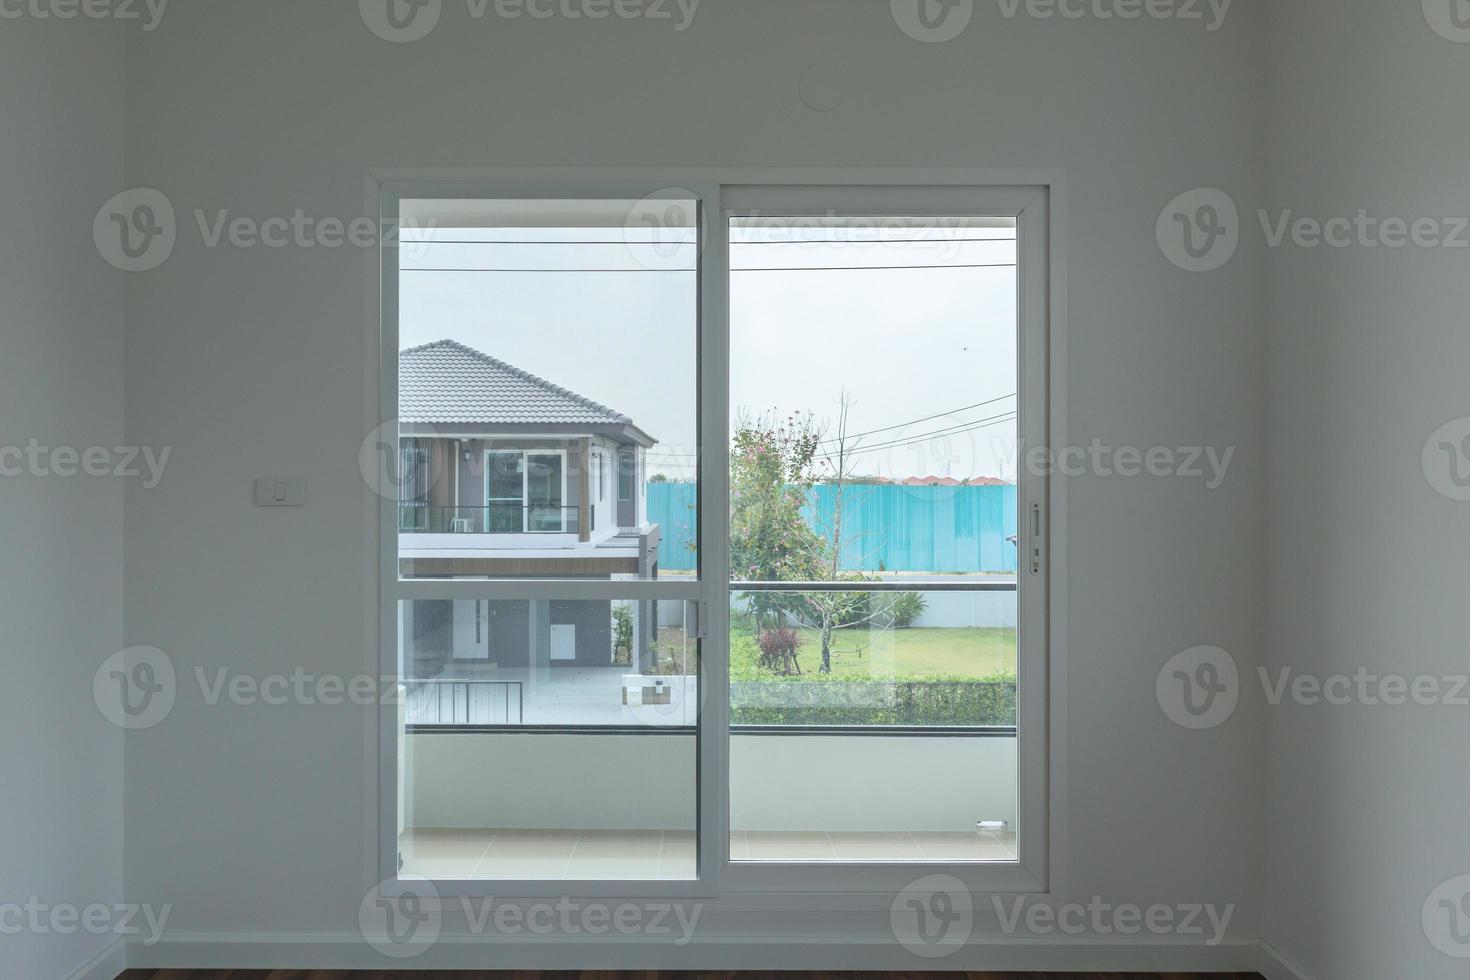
(544, 638)
(758, 602)
(874, 400)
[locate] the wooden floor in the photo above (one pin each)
(644, 975)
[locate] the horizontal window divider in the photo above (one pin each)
(686, 730)
(886, 586)
(876, 731)
(861, 731)
(586, 589)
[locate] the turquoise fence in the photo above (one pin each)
(672, 507)
(900, 529)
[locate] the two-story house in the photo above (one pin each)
(505, 474)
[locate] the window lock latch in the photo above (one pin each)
(697, 619)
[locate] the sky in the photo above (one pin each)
(926, 356)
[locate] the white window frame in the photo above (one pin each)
(1034, 198)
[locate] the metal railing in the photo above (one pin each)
(463, 702)
(976, 584)
(491, 519)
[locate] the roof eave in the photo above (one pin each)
(622, 431)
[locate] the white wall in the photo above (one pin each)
(647, 782)
(1368, 355)
(602, 782)
(868, 782)
(967, 609)
(259, 820)
(61, 538)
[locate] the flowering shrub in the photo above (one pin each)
(778, 649)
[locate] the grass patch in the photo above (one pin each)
(916, 653)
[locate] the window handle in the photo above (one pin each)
(1036, 538)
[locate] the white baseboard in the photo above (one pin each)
(106, 965)
(348, 951)
(1276, 966)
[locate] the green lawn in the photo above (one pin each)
(892, 654)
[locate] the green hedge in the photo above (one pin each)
(877, 703)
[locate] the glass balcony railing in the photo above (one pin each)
(491, 519)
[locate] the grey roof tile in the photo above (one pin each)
(448, 382)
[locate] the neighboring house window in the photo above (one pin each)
(525, 491)
(413, 496)
(626, 475)
(545, 491)
(506, 494)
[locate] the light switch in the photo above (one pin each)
(280, 491)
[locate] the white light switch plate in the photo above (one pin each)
(280, 491)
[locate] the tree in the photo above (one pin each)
(771, 476)
(622, 635)
(774, 465)
(828, 611)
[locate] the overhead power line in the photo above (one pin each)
(962, 425)
(927, 418)
(925, 437)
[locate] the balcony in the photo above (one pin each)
(520, 539)
(491, 519)
(895, 754)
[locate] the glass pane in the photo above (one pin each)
(873, 384)
(904, 750)
(544, 485)
(879, 660)
(507, 487)
(547, 739)
(543, 343)
(873, 389)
